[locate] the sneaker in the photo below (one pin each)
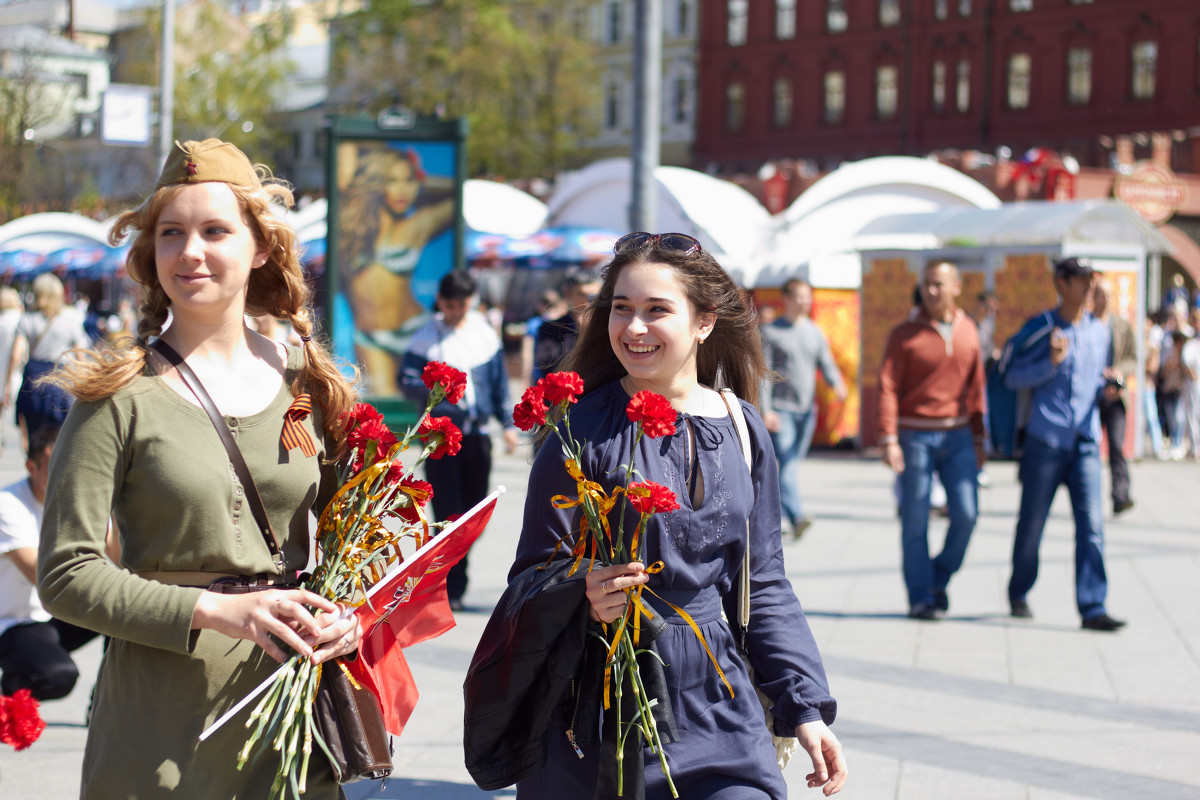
(799, 526)
(456, 604)
(1020, 609)
(941, 601)
(925, 612)
(1122, 506)
(1103, 622)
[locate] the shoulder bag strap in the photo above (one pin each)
(235, 454)
(743, 434)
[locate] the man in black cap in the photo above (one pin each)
(1066, 373)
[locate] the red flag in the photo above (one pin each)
(408, 606)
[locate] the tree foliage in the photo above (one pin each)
(518, 70)
(227, 73)
(27, 103)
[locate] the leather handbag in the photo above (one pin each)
(349, 717)
(785, 746)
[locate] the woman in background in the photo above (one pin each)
(43, 335)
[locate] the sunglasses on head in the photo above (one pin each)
(673, 242)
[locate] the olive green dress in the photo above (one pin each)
(156, 461)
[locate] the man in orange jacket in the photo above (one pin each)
(931, 396)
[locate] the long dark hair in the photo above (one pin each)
(730, 357)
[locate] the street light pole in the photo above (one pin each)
(647, 104)
(166, 85)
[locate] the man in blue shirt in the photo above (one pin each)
(1066, 373)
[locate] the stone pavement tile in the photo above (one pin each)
(872, 777)
(1132, 750)
(920, 780)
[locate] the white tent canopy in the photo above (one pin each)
(727, 220)
(493, 207)
(816, 234)
(1094, 226)
(50, 231)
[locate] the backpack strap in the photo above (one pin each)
(743, 433)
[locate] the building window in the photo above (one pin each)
(889, 13)
(739, 11)
(941, 9)
(1020, 5)
(1079, 76)
(679, 100)
(887, 92)
(735, 106)
(785, 19)
(962, 86)
(939, 86)
(1019, 67)
(781, 102)
(612, 27)
(1145, 69)
(835, 96)
(683, 17)
(835, 15)
(612, 106)
(964, 8)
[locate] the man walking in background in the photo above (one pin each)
(1113, 405)
(931, 400)
(556, 337)
(795, 348)
(1066, 372)
(463, 338)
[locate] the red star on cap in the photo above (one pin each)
(191, 167)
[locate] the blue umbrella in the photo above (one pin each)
(580, 245)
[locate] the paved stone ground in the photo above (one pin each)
(976, 707)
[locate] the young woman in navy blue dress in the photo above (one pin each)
(668, 319)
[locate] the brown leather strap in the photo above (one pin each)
(235, 454)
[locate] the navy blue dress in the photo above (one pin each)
(725, 750)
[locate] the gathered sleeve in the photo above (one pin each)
(787, 663)
(76, 582)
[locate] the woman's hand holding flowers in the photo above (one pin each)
(258, 616)
(339, 636)
(605, 587)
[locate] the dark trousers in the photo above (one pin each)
(36, 656)
(459, 482)
(1112, 417)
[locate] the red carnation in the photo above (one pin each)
(441, 432)
(561, 387)
(452, 382)
(653, 413)
(20, 722)
(372, 431)
(649, 497)
(530, 413)
(362, 412)
(421, 494)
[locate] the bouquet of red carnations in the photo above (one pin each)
(597, 542)
(378, 505)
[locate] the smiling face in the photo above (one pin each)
(654, 328)
(402, 187)
(204, 250)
